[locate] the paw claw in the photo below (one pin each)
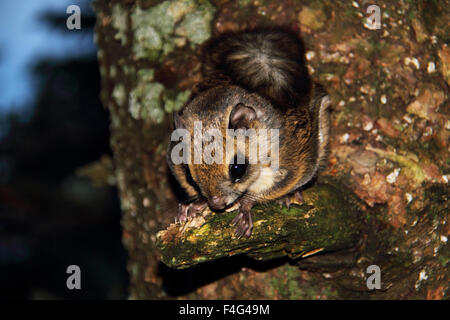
(298, 196)
(190, 210)
(237, 219)
(244, 224)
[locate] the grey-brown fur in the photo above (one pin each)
(267, 61)
(262, 76)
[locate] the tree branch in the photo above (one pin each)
(326, 221)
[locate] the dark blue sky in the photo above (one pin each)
(24, 38)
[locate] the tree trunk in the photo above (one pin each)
(382, 200)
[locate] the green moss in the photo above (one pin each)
(128, 70)
(175, 104)
(156, 31)
(119, 94)
(145, 101)
(196, 25)
(150, 99)
(154, 28)
(324, 221)
(444, 260)
(149, 27)
(411, 167)
(286, 285)
(119, 22)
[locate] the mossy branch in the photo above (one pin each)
(326, 221)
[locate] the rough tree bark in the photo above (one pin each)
(383, 199)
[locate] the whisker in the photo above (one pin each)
(257, 198)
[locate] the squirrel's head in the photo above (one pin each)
(225, 153)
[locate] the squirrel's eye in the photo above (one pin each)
(237, 171)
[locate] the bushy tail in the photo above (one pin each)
(267, 61)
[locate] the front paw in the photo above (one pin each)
(190, 210)
(244, 224)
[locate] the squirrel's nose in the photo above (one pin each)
(217, 203)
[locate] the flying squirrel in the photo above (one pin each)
(254, 79)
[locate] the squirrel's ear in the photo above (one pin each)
(241, 116)
(178, 121)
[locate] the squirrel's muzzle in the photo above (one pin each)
(218, 203)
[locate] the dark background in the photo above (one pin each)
(50, 216)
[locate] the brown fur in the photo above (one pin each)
(263, 73)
